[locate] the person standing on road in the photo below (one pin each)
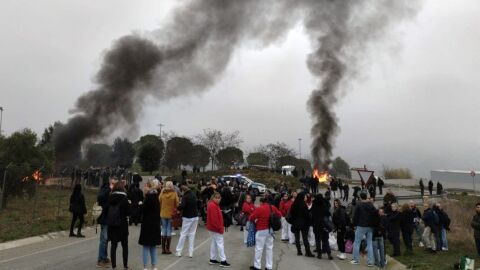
(341, 221)
(363, 220)
(168, 202)
(320, 218)
(189, 210)
(135, 196)
(422, 187)
(264, 234)
(346, 191)
(379, 233)
(285, 205)
(430, 187)
(334, 187)
(380, 184)
(476, 227)
(394, 228)
(288, 206)
(150, 225)
(102, 200)
(247, 208)
(300, 224)
(78, 210)
(407, 225)
(116, 219)
(216, 229)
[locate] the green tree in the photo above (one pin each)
(275, 151)
(341, 168)
(179, 152)
(98, 154)
(200, 156)
(257, 158)
(229, 156)
(149, 138)
(122, 153)
(286, 160)
(149, 157)
(21, 154)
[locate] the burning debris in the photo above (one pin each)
(321, 177)
(36, 176)
(191, 53)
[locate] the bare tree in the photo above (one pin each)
(275, 151)
(215, 140)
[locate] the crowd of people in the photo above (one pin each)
(307, 220)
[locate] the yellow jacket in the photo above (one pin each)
(168, 202)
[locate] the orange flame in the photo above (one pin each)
(37, 175)
(321, 176)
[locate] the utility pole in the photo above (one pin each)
(299, 148)
(160, 126)
(1, 118)
(3, 185)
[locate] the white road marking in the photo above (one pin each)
(179, 259)
(335, 265)
(47, 250)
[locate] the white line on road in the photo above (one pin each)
(48, 249)
(179, 259)
(335, 265)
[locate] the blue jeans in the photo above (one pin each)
(166, 227)
(359, 233)
(443, 235)
(103, 246)
(152, 250)
(379, 251)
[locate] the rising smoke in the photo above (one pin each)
(192, 51)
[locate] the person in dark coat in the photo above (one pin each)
(341, 221)
(150, 228)
(320, 220)
(356, 191)
(430, 187)
(393, 229)
(346, 191)
(407, 225)
(300, 224)
(380, 184)
(439, 188)
(226, 204)
(78, 210)
(379, 234)
(444, 226)
(102, 199)
(116, 219)
(135, 195)
(422, 187)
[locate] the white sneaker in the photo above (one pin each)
(444, 249)
(354, 262)
(421, 244)
(342, 256)
(174, 233)
(178, 254)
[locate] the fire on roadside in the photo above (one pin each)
(36, 176)
(322, 177)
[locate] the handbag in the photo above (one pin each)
(349, 246)
(332, 241)
(241, 219)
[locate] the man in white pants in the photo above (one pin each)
(264, 235)
(216, 229)
(189, 209)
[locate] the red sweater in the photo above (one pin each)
(214, 218)
(248, 208)
(262, 216)
(285, 207)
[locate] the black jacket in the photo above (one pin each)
(364, 214)
(150, 229)
(406, 221)
(102, 199)
(77, 204)
(318, 213)
(394, 221)
(300, 217)
(188, 205)
(340, 218)
(381, 224)
(118, 233)
(444, 219)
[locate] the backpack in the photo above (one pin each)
(275, 221)
(113, 215)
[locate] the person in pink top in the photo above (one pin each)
(264, 235)
(247, 208)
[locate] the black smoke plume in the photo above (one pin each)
(192, 51)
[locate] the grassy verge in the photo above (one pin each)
(46, 212)
(460, 239)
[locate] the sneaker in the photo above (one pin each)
(254, 268)
(213, 262)
(174, 233)
(102, 264)
(178, 254)
(342, 256)
(353, 262)
(224, 264)
(190, 255)
(421, 244)
(370, 265)
(444, 249)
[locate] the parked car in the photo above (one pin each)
(258, 188)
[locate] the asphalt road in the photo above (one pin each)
(80, 254)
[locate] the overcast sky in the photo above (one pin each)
(415, 104)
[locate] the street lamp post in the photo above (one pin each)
(3, 185)
(160, 126)
(299, 148)
(1, 118)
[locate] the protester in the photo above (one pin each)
(341, 221)
(116, 219)
(417, 218)
(189, 210)
(444, 226)
(431, 233)
(363, 220)
(311, 235)
(334, 187)
(168, 202)
(291, 235)
(300, 223)
(394, 228)
(78, 210)
(439, 188)
(320, 221)
(247, 208)
(430, 187)
(379, 234)
(284, 207)
(102, 200)
(135, 195)
(422, 187)
(264, 234)
(388, 199)
(380, 184)
(346, 190)
(476, 227)
(150, 227)
(407, 223)
(216, 229)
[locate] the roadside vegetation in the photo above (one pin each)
(400, 173)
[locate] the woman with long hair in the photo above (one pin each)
(320, 218)
(78, 210)
(341, 221)
(300, 222)
(247, 208)
(168, 203)
(150, 228)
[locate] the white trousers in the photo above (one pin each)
(291, 235)
(284, 229)
(217, 247)
(263, 240)
(189, 228)
(311, 237)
